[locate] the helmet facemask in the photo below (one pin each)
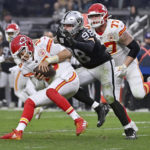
(96, 19)
(10, 35)
(99, 11)
(24, 54)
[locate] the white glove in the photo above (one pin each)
(2, 59)
(120, 71)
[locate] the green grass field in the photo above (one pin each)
(56, 131)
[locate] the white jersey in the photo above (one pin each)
(66, 81)
(110, 38)
(43, 48)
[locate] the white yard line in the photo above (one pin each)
(58, 110)
(71, 130)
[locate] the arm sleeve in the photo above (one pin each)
(86, 46)
(134, 49)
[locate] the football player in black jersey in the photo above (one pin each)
(96, 62)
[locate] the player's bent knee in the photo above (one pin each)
(50, 92)
(29, 102)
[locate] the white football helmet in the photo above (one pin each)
(75, 19)
(97, 9)
(12, 31)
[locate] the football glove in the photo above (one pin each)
(65, 38)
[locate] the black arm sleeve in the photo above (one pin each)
(86, 46)
(134, 49)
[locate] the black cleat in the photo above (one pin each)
(100, 110)
(106, 107)
(130, 134)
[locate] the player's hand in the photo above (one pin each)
(64, 37)
(120, 71)
(43, 66)
(39, 76)
(60, 36)
(70, 40)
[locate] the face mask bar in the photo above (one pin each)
(98, 19)
(24, 54)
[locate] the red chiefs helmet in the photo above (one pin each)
(20, 43)
(12, 31)
(97, 9)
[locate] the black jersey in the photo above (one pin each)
(91, 54)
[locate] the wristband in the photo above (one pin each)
(52, 59)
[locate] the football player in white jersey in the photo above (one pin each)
(123, 48)
(12, 31)
(64, 84)
(23, 87)
(121, 45)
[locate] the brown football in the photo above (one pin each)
(49, 73)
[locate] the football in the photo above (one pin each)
(49, 73)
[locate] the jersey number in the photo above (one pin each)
(87, 35)
(81, 56)
(113, 45)
(115, 23)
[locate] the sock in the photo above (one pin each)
(21, 126)
(26, 115)
(62, 103)
(147, 87)
(119, 112)
(82, 96)
(74, 115)
(127, 126)
(129, 119)
(95, 104)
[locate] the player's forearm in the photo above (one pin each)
(128, 61)
(61, 56)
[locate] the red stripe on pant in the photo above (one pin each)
(129, 119)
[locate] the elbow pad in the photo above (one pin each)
(134, 49)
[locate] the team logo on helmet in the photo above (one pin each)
(22, 40)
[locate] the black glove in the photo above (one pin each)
(70, 40)
(65, 38)
(60, 36)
